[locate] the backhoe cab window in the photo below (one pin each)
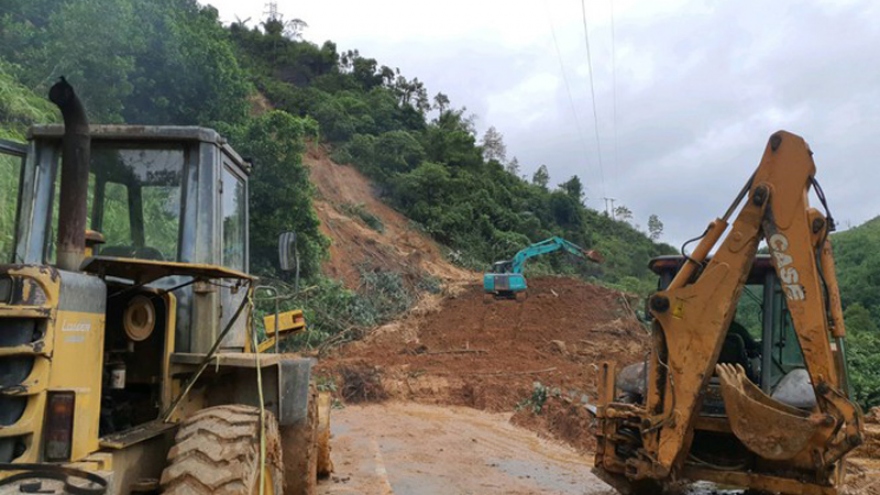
(750, 310)
(134, 199)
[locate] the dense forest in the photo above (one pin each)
(271, 92)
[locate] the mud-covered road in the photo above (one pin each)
(404, 448)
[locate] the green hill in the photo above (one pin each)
(857, 258)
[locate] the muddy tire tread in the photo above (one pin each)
(215, 452)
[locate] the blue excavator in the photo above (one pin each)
(506, 279)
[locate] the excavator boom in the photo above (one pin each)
(692, 316)
(506, 278)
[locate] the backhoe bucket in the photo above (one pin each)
(765, 426)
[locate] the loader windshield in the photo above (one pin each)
(134, 199)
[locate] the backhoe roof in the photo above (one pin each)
(672, 262)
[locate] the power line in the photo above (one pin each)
(614, 91)
(593, 96)
(577, 120)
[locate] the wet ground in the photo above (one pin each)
(405, 448)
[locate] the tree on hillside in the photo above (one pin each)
(441, 102)
(513, 167)
(622, 213)
(655, 227)
(293, 29)
(574, 188)
(411, 92)
(541, 177)
(493, 146)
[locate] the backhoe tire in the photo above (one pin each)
(217, 451)
(299, 444)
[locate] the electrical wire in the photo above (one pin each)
(577, 119)
(614, 91)
(593, 96)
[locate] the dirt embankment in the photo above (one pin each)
(499, 355)
(347, 204)
(864, 464)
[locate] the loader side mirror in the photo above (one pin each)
(287, 255)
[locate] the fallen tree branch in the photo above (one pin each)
(493, 373)
(458, 351)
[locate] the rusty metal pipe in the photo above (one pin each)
(76, 145)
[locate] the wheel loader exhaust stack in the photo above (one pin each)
(746, 381)
(76, 145)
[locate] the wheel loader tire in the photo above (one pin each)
(325, 465)
(299, 444)
(217, 451)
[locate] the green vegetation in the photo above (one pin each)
(360, 211)
(858, 270)
(540, 394)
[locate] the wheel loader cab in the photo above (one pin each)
(95, 358)
(761, 338)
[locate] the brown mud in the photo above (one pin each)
(355, 246)
(538, 354)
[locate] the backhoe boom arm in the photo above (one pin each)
(692, 316)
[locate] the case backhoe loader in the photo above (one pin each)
(761, 402)
(128, 354)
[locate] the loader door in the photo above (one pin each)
(12, 156)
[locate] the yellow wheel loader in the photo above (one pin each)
(128, 354)
(746, 382)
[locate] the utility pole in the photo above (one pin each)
(610, 200)
(273, 11)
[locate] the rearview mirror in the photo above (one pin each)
(287, 255)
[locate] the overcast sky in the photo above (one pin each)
(699, 86)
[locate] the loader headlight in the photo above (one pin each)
(5, 289)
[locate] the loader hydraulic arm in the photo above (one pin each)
(693, 314)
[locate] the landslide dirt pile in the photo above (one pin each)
(863, 475)
(499, 355)
(367, 234)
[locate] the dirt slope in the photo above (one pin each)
(864, 464)
(342, 190)
(472, 350)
